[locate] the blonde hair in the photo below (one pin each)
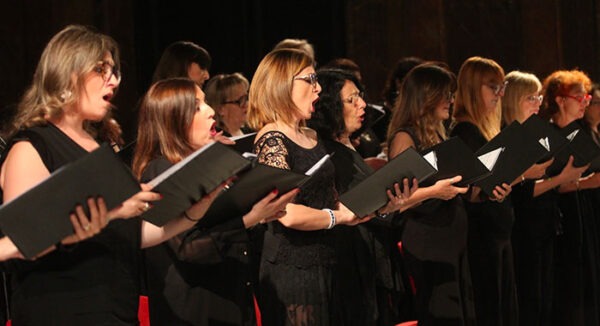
(59, 79)
(298, 44)
(219, 88)
(469, 105)
(520, 84)
(270, 97)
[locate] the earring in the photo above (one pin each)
(65, 95)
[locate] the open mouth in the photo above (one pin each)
(213, 129)
(107, 97)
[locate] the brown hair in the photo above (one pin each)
(72, 52)
(166, 114)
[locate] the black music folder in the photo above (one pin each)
(252, 186)
(519, 151)
(453, 157)
(244, 143)
(186, 182)
(547, 135)
(581, 146)
(370, 194)
(39, 218)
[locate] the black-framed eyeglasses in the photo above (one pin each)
(353, 99)
(106, 70)
(310, 78)
(498, 88)
(582, 99)
(242, 101)
(535, 98)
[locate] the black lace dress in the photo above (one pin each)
(295, 286)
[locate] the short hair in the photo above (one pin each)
(177, 58)
(74, 51)
(165, 116)
(298, 44)
(519, 85)
(422, 90)
(469, 105)
(270, 97)
(328, 118)
(218, 89)
(560, 83)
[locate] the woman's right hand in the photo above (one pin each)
(571, 173)
(269, 208)
(197, 211)
(537, 171)
(444, 189)
(84, 227)
(343, 215)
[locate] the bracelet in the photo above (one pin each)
(331, 218)
(381, 215)
(189, 218)
(522, 178)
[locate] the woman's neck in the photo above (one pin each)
(345, 140)
(73, 126)
(561, 120)
(234, 129)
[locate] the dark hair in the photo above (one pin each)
(400, 70)
(328, 118)
(344, 64)
(177, 58)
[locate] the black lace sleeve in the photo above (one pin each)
(271, 150)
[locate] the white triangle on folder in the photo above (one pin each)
(432, 159)
(545, 142)
(317, 165)
(489, 159)
(572, 135)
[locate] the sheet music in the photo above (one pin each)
(489, 159)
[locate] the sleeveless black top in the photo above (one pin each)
(94, 282)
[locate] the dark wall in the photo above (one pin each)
(534, 35)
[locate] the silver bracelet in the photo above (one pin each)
(331, 218)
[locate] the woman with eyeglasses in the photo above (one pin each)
(536, 211)
(435, 234)
(94, 282)
(296, 272)
(184, 59)
(207, 274)
(577, 271)
(477, 117)
(364, 269)
(228, 95)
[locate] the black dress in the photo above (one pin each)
(205, 276)
(533, 238)
(435, 246)
(489, 249)
(577, 276)
(94, 282)
(369, 269)
(296, 266)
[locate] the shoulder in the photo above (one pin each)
(154, 168)
(399, 143)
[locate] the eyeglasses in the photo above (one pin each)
(106, 70)
(582, 99)
(535, 98)
(353, 99)
(498, 88)
(310, 78)
(242, 101)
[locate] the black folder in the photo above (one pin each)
(252, 186)
(546, 134)
(453, 157)
(244, 143)
(581, 146)
(370, 194)
(520, 151)
(186, 182)
(39, 218)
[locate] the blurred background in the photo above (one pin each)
(538, 36)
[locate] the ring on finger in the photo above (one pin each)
(86, 227)
(145, 207)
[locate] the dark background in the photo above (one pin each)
(538, 36)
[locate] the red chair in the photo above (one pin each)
(408, 323)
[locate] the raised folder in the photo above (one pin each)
(244, 143)
(370, 194)
(252, 186)
(189, 180)
(39, 218)
(453, 157)
(547, 135)
(580, 145)
(519, 151)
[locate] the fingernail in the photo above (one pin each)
(275, 191)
